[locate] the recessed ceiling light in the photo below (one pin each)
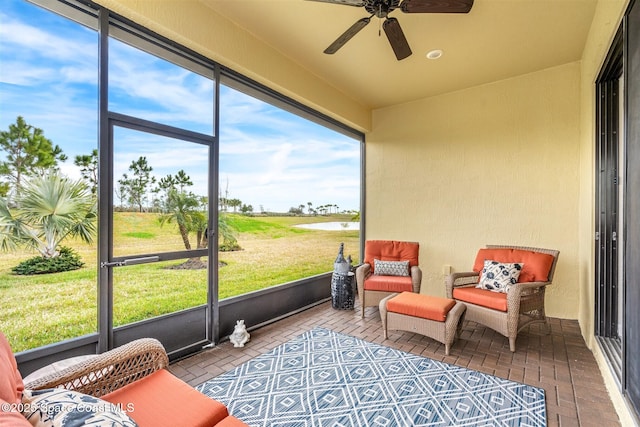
(434, 54)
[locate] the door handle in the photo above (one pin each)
(130, 261)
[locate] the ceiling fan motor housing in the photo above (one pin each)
(381, 8)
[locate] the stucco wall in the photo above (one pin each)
(498, 163)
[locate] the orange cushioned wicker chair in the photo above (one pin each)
(132, 377)
(521, 304)
(389, 267)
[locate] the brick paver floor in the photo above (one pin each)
(558, 362)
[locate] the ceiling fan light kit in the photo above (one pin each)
(434, 54)
(391, 26)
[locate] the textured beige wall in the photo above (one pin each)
(199, 28)
(497, 163)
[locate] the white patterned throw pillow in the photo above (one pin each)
(57, 407)
(390, 268)
(498, 277)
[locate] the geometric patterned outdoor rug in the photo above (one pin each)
(327, 379)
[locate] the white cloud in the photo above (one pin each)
(268, 156)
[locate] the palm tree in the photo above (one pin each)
(229, 241)
(181, 207)
(52, 208)
(10, 228)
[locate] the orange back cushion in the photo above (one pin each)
(391, 250)
(11, 385)
(537, 266)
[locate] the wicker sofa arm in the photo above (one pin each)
(524, 289)
(362, 272)
(108, 371)
(416, 278)
(457, 280)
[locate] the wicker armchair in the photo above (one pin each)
(108, 371)
(374, 288)
(523, 304)
(134, 376)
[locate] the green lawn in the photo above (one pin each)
(39, 310)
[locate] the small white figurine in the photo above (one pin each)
(240, 336)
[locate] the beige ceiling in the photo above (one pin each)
(498, 39)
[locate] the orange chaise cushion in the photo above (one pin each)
(423, 306)
(537, 266)
(391, 250)
(163, 400)
(483, 297)
(388, 283)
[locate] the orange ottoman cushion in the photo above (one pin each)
(483, 297)
(161, 399)
(423, 306)
(388, 283)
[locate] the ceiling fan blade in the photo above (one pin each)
(347, 35)
(396, 38)
(358, 3)
(436, 6)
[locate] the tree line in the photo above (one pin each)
(326, 209)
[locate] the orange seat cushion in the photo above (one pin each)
(537, 266)
(423, 306)
(483, 297)
(231, 421)
(161, 399)
(388, 283)
(391, 250)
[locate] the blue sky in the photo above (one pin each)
(269, 158)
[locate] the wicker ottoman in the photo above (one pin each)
(434, 317)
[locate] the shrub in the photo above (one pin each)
(67, 260)
(229, 246)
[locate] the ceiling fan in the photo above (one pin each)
(391, 26)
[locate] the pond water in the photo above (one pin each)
(331, 226)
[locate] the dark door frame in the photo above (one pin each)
(631, 348)
(607, 218)
(618, 128)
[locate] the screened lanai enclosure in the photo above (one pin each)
(199, 178)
